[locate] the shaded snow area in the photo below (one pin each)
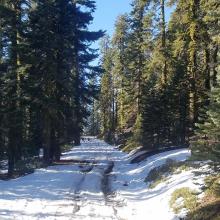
(101, 184)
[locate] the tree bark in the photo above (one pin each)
(15, 113)
(192, 66)
(207, 70)
(163, 41)
(215, 63)
(47, 138)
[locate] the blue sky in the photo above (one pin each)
(105, 16)
(107, 12)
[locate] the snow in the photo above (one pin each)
(89, 190)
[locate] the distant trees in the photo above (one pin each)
(162, 72)
(45, 69)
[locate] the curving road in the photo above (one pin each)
(101, 184)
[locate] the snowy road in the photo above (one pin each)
(103, 186)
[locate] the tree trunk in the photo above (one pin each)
(163, 41)
(77, 138)
(15, 113)
(47, 138)
(57, 151)
(207, 70)
(77, 93)
(192, 66)
(215, 63)
(11, 154)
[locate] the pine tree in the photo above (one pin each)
(106, 99)
(84, 71)
(12, 13)
(139, 53)
(210, 14)
(62, 37)
(137, 50)
(120, 70)
(206, 143)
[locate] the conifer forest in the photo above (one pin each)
(153, 86)
(160, 81)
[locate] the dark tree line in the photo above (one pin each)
(160, 76)
(45, 69)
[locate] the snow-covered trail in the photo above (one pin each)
(107, 187)
(63, 192)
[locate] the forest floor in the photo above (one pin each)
(101, 184)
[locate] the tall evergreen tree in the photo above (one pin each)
(106, 99)
(120, 71)
(61, 43)
(206, 143)
(12, 13)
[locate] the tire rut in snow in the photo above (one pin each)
(76, 195)
(106, 187)
(107, 190)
